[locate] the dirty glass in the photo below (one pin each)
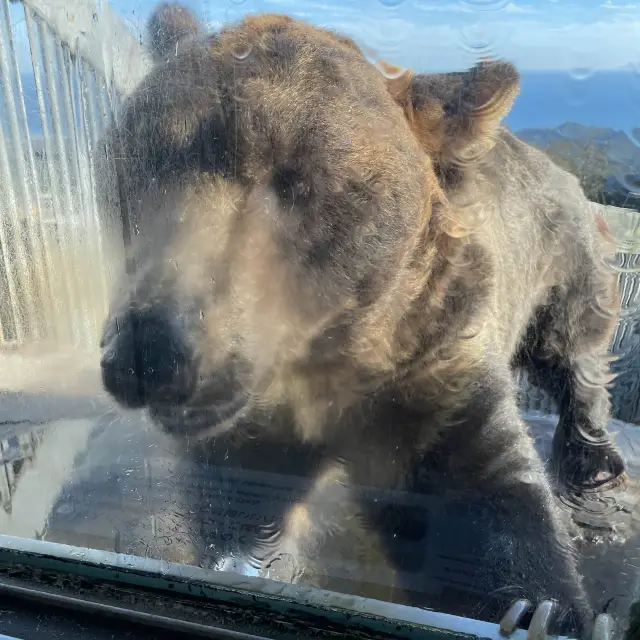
(340, 294)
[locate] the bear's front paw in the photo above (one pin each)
(586, 466)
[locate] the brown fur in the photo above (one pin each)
(356, 262)
(168, 25)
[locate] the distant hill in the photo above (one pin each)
(607, 161)
(571, 137)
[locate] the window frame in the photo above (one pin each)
(135, 588)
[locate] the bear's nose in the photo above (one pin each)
(145, 359)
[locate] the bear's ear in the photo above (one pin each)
(455, 115)
(169, 23)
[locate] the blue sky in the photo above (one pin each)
(579, 36)
(584, 35)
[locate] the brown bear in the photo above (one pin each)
(350, 263)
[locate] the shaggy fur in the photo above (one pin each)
(353, 264)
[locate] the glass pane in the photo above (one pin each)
(340, 294)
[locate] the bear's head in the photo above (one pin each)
(290, 239)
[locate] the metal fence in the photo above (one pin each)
(58, 249)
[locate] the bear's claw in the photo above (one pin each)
(542, 618)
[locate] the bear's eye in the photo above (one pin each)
(291, 187)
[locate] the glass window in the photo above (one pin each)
(331, 300)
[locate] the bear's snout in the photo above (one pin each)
(146, 360)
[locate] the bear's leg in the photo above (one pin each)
(493, 510)
(565, 352)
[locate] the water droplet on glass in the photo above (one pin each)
(354, 174)
(388, 40)
(484, 5)
(581, 73)
(476, 40)
(389, 71)
(243, 51)
(379, 187)
(631, 183)
(370, 54)
(65, 509)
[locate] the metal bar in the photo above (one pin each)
(104, 102)
(62, 170)
(7, 235)
(80, 153)
(37, 53)
(89, 136)
(71, 155)
(113, 96)
(7, 268)
(123, 614)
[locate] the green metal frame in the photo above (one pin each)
(320, 613)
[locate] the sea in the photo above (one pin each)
(547, 99)
(602, 99)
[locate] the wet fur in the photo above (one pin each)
(374, 257)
